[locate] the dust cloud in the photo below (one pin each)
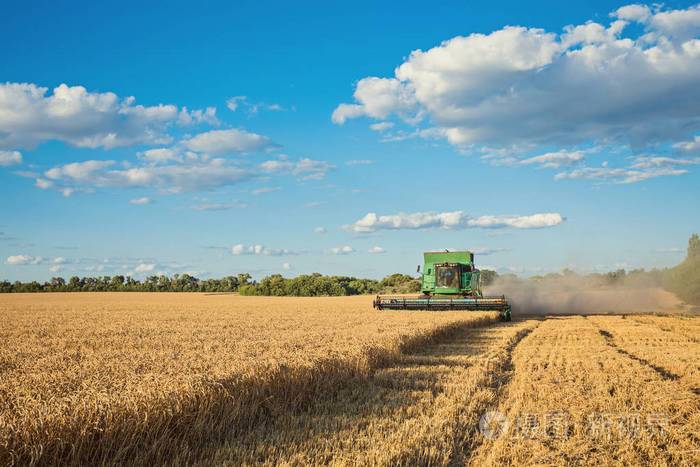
(580, 295)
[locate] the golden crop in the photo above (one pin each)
(93, 378)
(227, 380)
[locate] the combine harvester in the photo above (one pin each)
(449, 282)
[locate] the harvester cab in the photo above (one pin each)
(449, 281)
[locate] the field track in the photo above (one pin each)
(188, 378)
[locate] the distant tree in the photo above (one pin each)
(694, 246)
(488, 277)
(75, 284)
(116, 283)
(57, 283)
(243, 279)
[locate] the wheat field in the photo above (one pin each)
(167, 379)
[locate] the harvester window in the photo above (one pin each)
(447, 277)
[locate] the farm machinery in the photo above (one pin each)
(450, 281)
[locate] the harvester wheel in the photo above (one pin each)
(505, 316)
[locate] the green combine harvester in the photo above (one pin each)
(449, 282)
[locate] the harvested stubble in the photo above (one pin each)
(670, 353)
(423, 409)
(575, 399)
(685, 325)
(154, 378)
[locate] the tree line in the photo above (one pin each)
(683, 280)
(307, 285)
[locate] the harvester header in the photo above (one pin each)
(449, 281)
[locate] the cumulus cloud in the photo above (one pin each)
(160, 155)
(320, 230)
(30, 115)
(140, 201)
(359, 162)
(378, 98)
(376, 250)
(144, 267)
(518, 85)
(241, 249)
(197, 175)
(194, 117)
(286, 266)
(341, 250)
(372, 222)
(23, 260)
(228, 141)
(304, 169)
(8, 158)
(635, 12)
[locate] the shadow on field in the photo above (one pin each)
(352, 417)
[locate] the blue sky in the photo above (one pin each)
(346, 139)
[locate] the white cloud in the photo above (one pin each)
(59, 260)
(376, 250)
(227, 141)
(451, 220)
(234, 102)
(172, 178)
(8, 158)
(265, 189)
(252, 107)
(677, 24)
(160, 155)
(341, 250)
(651, 162)
(635, 12)
(692, 146)
(314, 204)
(219, 206)
(144, 267)
(522, 85)
(378, 98)
(381, 126)
(74, 115)
(56, 268)
(140, 201)
(555, 159)
(320, 230)
(286, 266)
(359, 162)
(304, 169)
(23, 260)
(618, 175)
(194, 117)
(241, 249)
(257, 107)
